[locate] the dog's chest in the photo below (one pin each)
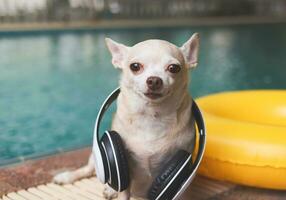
(150, 138)
(146, 128)
(147, 152)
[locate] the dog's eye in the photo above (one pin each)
(174, 68)
(136, 67)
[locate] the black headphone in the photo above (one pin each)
(112, 166)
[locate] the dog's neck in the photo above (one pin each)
(133, 103)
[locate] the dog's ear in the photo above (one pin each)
(118, 52)
(191, 50)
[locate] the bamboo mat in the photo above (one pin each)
(91, 189)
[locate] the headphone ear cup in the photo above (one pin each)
(171, 175)
(117, 164)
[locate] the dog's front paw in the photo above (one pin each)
(109, 193)
(64, 178)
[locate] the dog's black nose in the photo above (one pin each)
(154, 83)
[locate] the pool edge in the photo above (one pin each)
(41, 170)
(138, 23)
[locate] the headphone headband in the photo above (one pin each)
(106, 104)
(202, 145)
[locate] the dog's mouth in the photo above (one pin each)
(153, 95)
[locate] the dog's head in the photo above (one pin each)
(154, 69)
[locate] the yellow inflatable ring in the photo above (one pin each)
(246, 137)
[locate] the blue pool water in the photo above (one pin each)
(52, 83)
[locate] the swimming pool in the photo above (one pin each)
(52, 83)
